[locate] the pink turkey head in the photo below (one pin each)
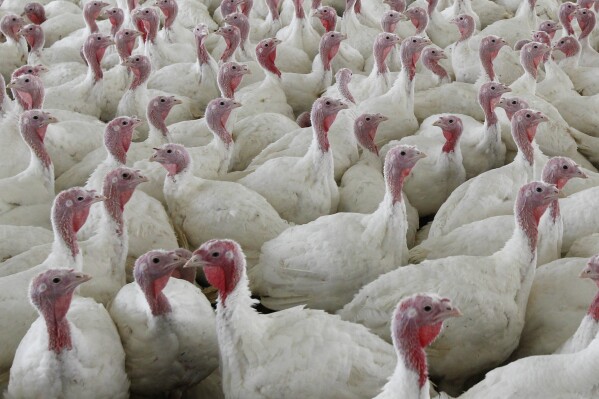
(430, 59)
(365, 127)
(119, 185)
(410, 51)
(229, 6)
(512, 105)
(35, 12)
(566, 15)
(532, 201)
(327, 16)
(91, 11)
(266, 53)
(93, 50)
(146, 21)
(588, 4)
(452, 129)
(416, 323)
(323, 114)
(51, 293)
(591, 270)
(158, 109)
(383, 44)
(10, 25)
(524, 129)
(398, 164)
(487, 52)
(568, 45)
(419, 18)
(488, 97)
(229, 77)
(396, 5)
(329, 46)
(34, 35)
(558, 170)
(232, 36)
(116, 16)
(29, 91)
(152, 271)
(125, 41)
(140, 67)
(173, 157)
(549, 27)
(34, 123)
(586, 21)
(531, 56)
(217, 115)
(389, 21)
(465, 24)
(242, 22)
(35, 70)
(223, 262)
(343, 78)
(118, 135)
(170, 9)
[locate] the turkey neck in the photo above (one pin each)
(40, 160)
(380, 54)
(232, 44)
(94, 57)
(201, 52)
(170, 14)
(54, 312)
(343, 86)
(298, 8)
(90, 21)
(216, 123)
(141, 74)
(158, 133)
(411, 372)
(436, 69)
(152, 290)
(31, 99)
(525, 158)
(402, 90)
(65, 247)
(491, 138)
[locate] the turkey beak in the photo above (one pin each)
(587, 272)
(11, 85)
(194, 261)
(581, 173)
(137, 122)
(438, 123)
(79, 279)
(51, 119)
(455, 312)
(277, 41)
(420, 155)
(141, 178)
(236, 104)
(177, 101)
(403, 17)
(98, 198)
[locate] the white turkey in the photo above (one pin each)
(72, 348)
(311, 350)
(292, 271)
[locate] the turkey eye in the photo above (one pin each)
(137, 59)
(539, 189)
(99, 38)
(125, 175)
(56, 280)
(387, 37)
(528, 115)
(414, 41)
(493, 40)
(26, 80)
(565, 166)
(492, 87)
(427, 308)
(162, 100)
(402, 153)
(36, 117)
(29, 71)
(434, 52)
(126, 33)
(367, 119)
(169, 151)
(222, 103)
(79, 198)
(513, 102)
(451, 121)
(265, 44)
(215, 254)
(125, 123)
(234, 67)
(155, 260)
(535, 46)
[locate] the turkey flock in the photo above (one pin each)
(266, 199)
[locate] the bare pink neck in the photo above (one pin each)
(298, 6)
(202, 53)
(170, 14)
(158, 121)
(486, 60)
(344, 90)
(115, 204)
(65, 225)
(395, 181)
(90, 21)
(528, 220)
(152, 289)
(320, 127)
(124, 46)
(488, 106)
(232, 44)
(588, 27)
(381, 52)
(524, 143)
(216, 123)
(116, 23)
(57, 325)
(466, 33)
(434, 67)
(36, 144)
(94, 57)
(432, 5)
(140, 75)
(32, 99)
(594, 308)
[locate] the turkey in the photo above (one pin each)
(415, 324)
(14, 49)
(27, 197)
(72, 348)
(514, 266)
(69, 213)
(255, 361)
(226, 209)
(167, 320)
(586, 21)
(308, 190)
(292, 271)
